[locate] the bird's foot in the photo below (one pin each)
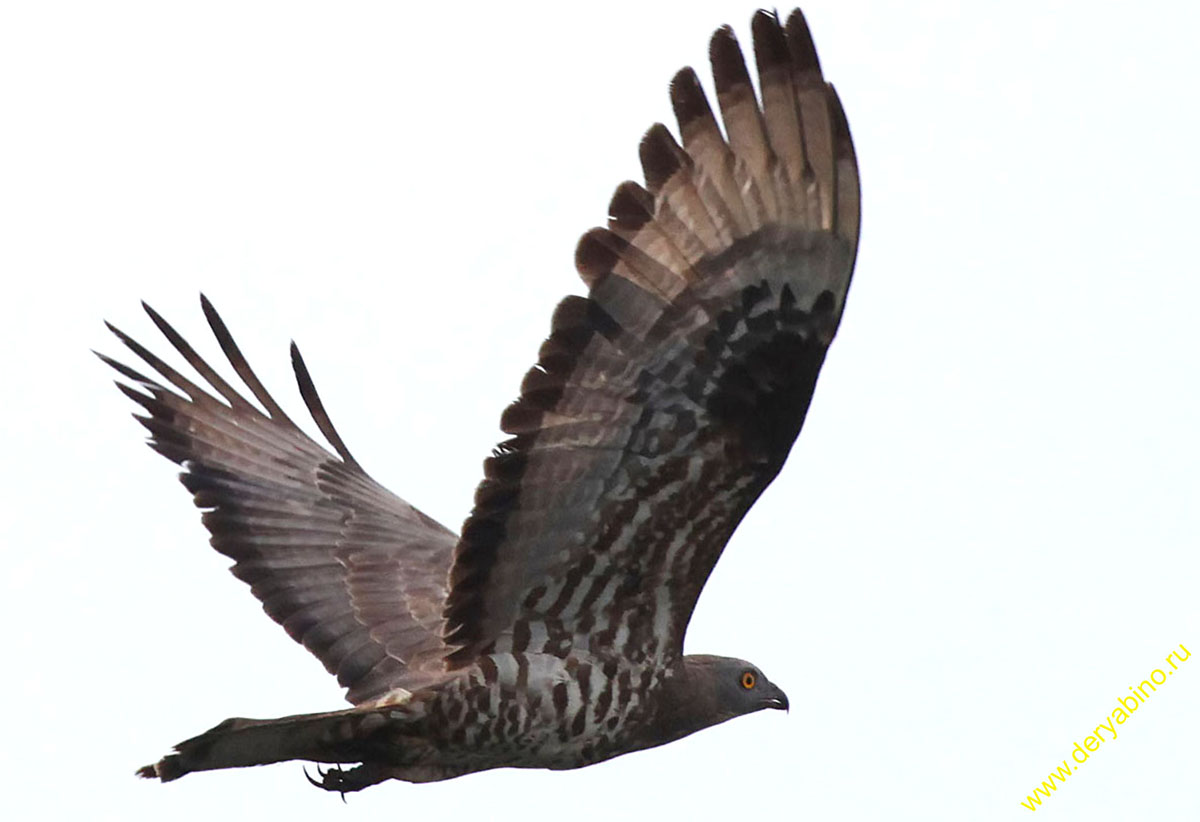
(345, 781)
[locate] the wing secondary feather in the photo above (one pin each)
(665, 401)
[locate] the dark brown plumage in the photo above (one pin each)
(550, 633)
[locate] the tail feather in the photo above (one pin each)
(239, 743)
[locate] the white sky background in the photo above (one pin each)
(986, 532)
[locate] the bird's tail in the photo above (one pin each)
(338, 736)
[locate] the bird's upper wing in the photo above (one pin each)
(351, 571)
(664, 402)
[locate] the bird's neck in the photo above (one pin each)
(686, 703)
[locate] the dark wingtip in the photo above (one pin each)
(728, 64)
(661, 156)
(308, 391)
(631, 207)
(238, 361)
(687, 97)
(155, 316)
(210, 312)
(124, 370)
(770, 43)
(596, 253)
(843, 145)
(801, 46)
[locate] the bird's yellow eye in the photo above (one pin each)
(749, 680)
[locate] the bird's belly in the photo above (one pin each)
(540, 711)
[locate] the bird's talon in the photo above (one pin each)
(333, 779)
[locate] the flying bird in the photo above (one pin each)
(549, 632)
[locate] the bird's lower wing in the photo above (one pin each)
(352, 572)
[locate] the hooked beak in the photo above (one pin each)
(777, 699)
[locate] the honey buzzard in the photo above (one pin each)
(549, 633)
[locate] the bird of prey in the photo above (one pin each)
(549, 633)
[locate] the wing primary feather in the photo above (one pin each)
(315, 407)
(780, 115)
(743, 125)
(689, 103)
(703, 141)
(243, 369)
(126, 371)
(847, 204)
(196, 361)
(661, 157)
(630, 208)
(193, 391)
(671, 178)
(802, 48)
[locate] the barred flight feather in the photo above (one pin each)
(714, 292)
(299, 522)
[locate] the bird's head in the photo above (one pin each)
(735, 686)
(708, 690)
